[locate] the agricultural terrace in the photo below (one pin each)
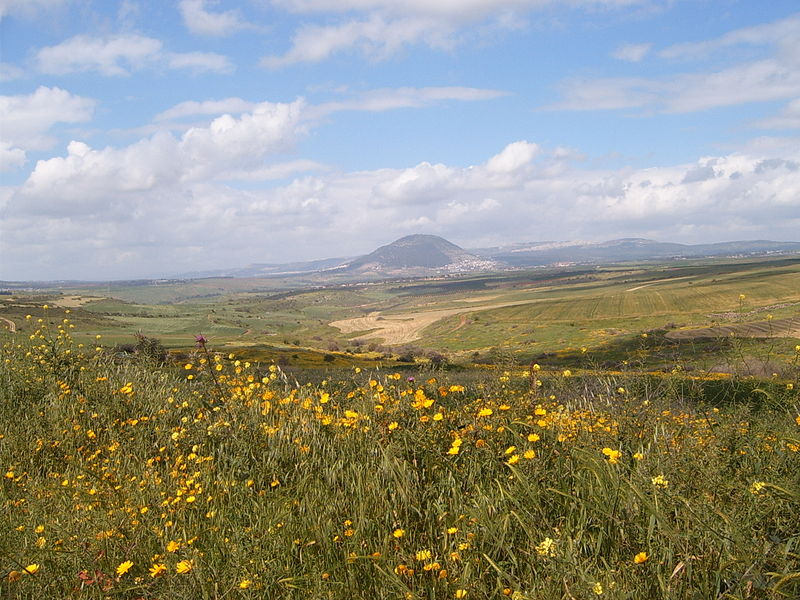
(218, 478)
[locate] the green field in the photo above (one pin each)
(525, 314)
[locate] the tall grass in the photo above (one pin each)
(217, 479)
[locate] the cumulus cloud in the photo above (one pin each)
(198, 19)
(88, 177)
(145, 204)
(120, 55)
(28, 118)
(10, 157)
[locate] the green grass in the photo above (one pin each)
(228, 479)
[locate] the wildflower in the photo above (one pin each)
(613, 455)
(185, 566)
(398, 533)
(157, 570)
(245, 583)
(757, 486)
(200, 340)
(393, 425)
(566, 373)
(173, 546)
(452, 530)
(640, 558)
(32, 569)
(529, 454)
(485, 412)
(533, 437)
(546, 547)
(638, 456)
(513, 460)
(124, 567)
(461, 593)
(597, 588)
(660, 481)
(423, 555)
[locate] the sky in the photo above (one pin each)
(147, 138)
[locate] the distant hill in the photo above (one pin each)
(420, 255)
(625, 249)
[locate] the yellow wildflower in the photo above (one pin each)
(185, 566)
(124, 567)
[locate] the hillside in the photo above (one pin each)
(419, 255)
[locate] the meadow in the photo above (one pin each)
(216, 477)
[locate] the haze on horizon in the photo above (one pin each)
(139, 138)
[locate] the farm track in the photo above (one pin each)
(12, 327)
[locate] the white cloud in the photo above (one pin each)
(381, 28)
(458, 10)
(200, 21)
(87, 177)
(632, 52)
(392, 98)
(773, 77)
(272, 172)
(28, 118)
(10, 157)
(788, 118)
(375, 36)
(124, 211)
(200, 61)
(9, 72)
(784, 31)
(192, 108)
(110, 56)
(27, 8)
(120, 55)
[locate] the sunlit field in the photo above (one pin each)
(217, 478)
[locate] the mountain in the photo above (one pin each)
(430, 255)
(419, 255)
(625, 249)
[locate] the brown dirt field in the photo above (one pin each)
(404, 328)
(74, 301)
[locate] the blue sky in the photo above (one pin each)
(140, 138)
